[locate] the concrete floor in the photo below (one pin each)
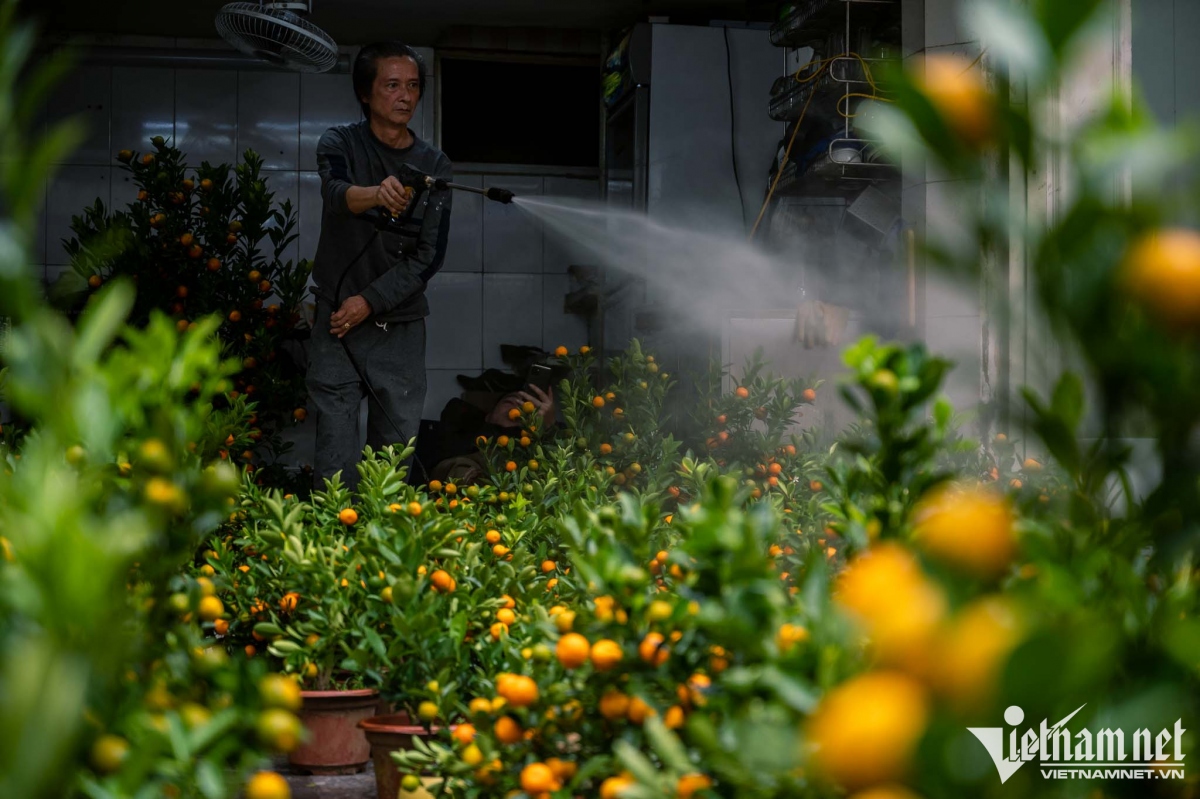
(354, 786)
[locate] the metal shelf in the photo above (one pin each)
(810, 20)
(789, 96)
(831, 178)
(849, 162)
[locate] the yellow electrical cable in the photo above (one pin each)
(869, 80)
(824, 66)
(848, 95)
(874, 95)
(786, 155)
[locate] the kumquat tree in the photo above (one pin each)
(911, 607)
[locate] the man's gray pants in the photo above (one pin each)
(392, 359)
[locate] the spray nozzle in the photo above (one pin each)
(500, 195)
(495, 194)
(421, 182)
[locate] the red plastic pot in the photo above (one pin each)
(387, 734)
(336, 744)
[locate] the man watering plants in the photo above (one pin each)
(380, 245)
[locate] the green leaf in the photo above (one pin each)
(217, 727)
(667, 745)
(1011, 36)
(1067, 401)
(375, 642)
(284, 648)
(1181, 638)
(178, 738)
(791, 692)
(1061, 21)
(637, 763)
(943, 412)
(458, 627)
(209, 780)
(390, 555)
(99, 324)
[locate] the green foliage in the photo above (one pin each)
(106, 688)
(207, 241)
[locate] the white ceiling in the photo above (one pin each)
(420, 22)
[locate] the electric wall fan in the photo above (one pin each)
(277, 32)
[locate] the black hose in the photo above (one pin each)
(733, 127)
(337, 292)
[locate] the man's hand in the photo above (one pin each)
(542, 401)
(392, 195)
(354, 311)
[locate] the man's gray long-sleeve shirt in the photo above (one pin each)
(393, 283)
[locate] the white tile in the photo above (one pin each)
(618, 328)
(269, 117)
(428, 55)
(943, 23)
(512, 314)
(960, 339)
(206, 115)
(1187, 60)
(464, 250)
(124, 189)
(913, 206)
(560, 252)
(143, 106)
(39, 230)
(454, 328)
(968, 50)
(949, 295)
(285, 186)
(912, 26)
(86, 96)
(558, 326)
(311, 208)
(325, 102)
(1154, 64)
(72, 190)
(947, 225)
(512, 237)
(422, 122)
(441, 387)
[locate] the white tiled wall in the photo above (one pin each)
(952, 316)
(464, 251)
(70, 191)
(503, 281)
(206, 114)
(87, 94)
(559, 327)
(143, 106)
(512, 313)
(454, 330)
(512, 238)
(560, 253)
(268, 117)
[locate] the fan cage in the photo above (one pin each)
(278, 35)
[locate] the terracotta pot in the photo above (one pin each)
(388, 734)
(335, 745)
